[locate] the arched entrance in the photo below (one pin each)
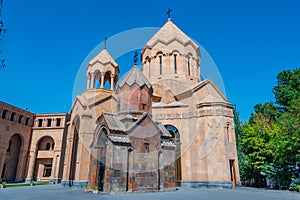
(76, 126)
(43, 164)
(176, 139)
(10, 167)
(101, 145)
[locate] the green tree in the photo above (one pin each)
(287, 88)
(257, 148)
(269, 143)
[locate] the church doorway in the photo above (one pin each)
(101, 144)
(232, 173)
(176, 139)
(101, 176)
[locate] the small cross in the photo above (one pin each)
(169, 13)
(105, 40)
(135, 57)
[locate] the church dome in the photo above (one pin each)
(171, 54)
(134, 93)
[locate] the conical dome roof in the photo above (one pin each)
(134, 76)
(168, 33)
(103, 57)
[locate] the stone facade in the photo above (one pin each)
(157, 128)
(15, 137)
(47, 147)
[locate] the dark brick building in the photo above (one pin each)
(132, 152)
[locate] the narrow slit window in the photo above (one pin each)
(147, 148)
(175, 64)
(160, 65)
(189, 69)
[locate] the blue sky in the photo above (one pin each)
(46, 42)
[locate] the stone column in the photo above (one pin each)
(92, 84)
(55, 166)
(20, 175)
(88, 82)
(31, 166)
(112, 78)
(68, 155)
(102, 80)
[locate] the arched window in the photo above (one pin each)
(20, 119)
(3, 116)
(27, 121)
(107, 83)
(12, 116)
(46, 143)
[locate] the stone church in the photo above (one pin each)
(158, 128)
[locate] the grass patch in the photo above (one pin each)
(11, 185)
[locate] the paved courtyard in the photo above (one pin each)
(57, 192)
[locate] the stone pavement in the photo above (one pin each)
(57, 192)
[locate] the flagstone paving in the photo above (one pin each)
(57, 192)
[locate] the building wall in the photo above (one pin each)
(47, 147)
(15, 124)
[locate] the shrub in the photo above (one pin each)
(86, 186)
(96, 187)
(293, 185)
(298, 188)
(3, 184)
(32, 182)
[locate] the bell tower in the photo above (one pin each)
(102, 69)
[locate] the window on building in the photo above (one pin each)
(3, 116)
(58, 121)
(227, 132)
(147, 148)
(189, 69)
(175, 64)
(40, 123)
(144, 106)
(49, 122)
(117, 173)
(160, 65)
(47, 170)
(27, 121)
(48, 145)
(12, 116)
(20, 119)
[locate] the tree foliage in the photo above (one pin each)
(269, 143)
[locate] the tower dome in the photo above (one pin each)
(171, 54)
(134, 93)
